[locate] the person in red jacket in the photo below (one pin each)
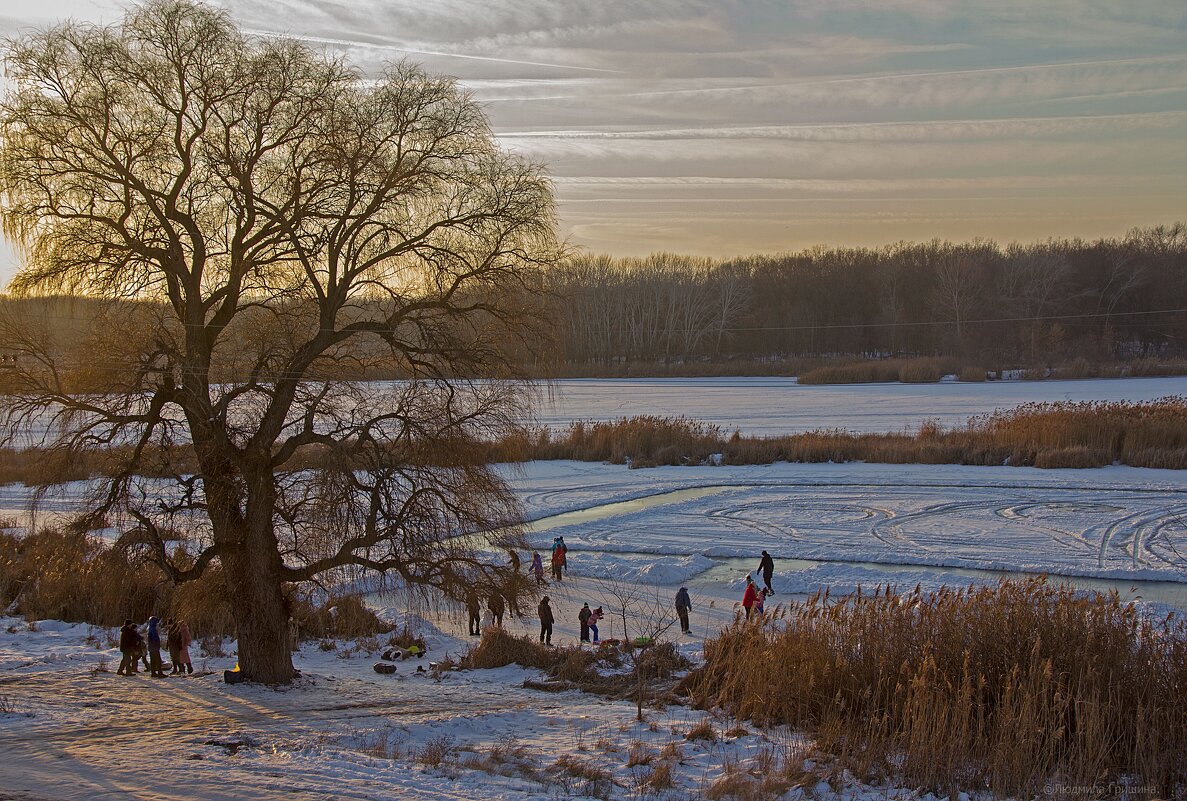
(750, 596)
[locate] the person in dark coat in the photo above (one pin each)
(156, 666)
(131, 644)
(474, 609)
(583, 619)
(173, 644)
(766, 566)
(546, 621)
(683, 607)
(497, 608)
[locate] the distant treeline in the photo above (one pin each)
(1013, 306)
(976, 307)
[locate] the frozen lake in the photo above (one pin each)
(773, 406)
(838, 526)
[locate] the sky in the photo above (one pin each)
(725, 127)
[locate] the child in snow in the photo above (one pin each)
(760, 598)
(537, 568)
(594, 618)
(749, 597)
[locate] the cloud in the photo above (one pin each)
(671, 121)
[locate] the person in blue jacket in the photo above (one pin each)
(156, 667)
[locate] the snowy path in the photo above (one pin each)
(101, 736)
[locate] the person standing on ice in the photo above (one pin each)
(537, 568)
(750, 596)
(766, 566)
(594, 619)
(760, 600)
(474, 610)
(564, 552)
(683, 607)
(546, 621)
(583, 619)
(130, 648)
(558, 563)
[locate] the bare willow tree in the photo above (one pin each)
(288, 224)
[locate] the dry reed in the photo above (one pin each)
(1010, 687)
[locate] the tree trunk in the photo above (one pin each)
(253, 573)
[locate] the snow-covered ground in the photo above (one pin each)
(772, 406)
(68, 731)
(72, 729)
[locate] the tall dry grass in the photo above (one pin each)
(909, 371)
(76, 577)
(645, 441)
(1018, 688)
(1089, 434)
(79, 578)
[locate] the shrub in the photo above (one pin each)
(344, 617)
(497, 648)
(1007, 687)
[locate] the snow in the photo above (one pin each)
(1117, 523)
(70, 729)
(340, 732)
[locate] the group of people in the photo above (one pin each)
(753, 600)
(754, 597)
(496, 607)
(588, 619)
(559, 562)
(137, 647)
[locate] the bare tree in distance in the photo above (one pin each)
(294, 223)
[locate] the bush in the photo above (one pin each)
(498, 649)
(1005, 687)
